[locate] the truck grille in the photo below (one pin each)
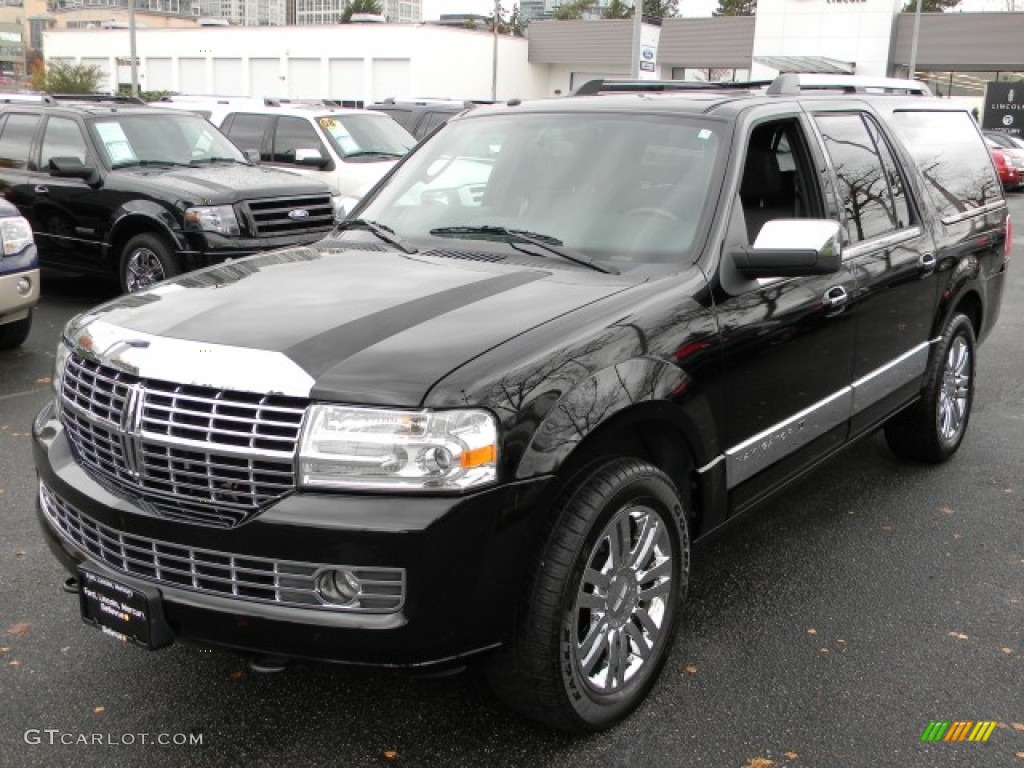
(195, 454)
(285, 582)
(271, 217)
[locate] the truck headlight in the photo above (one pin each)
(60, 363)
(213, 218)
(377, 449)
(15, 235)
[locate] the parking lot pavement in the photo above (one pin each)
(827, 628)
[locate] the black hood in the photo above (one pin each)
(216, 184)
(368, 327)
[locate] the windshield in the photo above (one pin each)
(620, 188)
(365, 135)
(175, 138)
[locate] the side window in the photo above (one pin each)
(246, 131)
(62, 138)
(778, 178)
(16, 140)
(952, 158)
(429, 122)
(863, 187)
(294, 133)
(897, 186)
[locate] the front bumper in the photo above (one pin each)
(14, 303)
(463, 560)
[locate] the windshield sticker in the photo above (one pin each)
(337, 131)
(117, 144)
(704, 133)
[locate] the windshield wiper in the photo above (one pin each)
(374, 152)
(149, 163)
(382, 231)
(218, 160)
(548, 243)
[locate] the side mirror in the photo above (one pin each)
(72, 168)
(792, 248)
(252, 155)
(310, 157)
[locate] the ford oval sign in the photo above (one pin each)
(298, 213)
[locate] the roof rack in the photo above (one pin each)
(99, 98)
(593, 87)
(783, 85)
(790, 84)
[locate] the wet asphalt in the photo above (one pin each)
(826, 628)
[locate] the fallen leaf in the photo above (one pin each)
(840, 641)
(390, 754)
(691, 669)
(790, 755)
(956, 535)
(44, 380)
(946, 510)
(888, 528)
(1019, 755)
(1007, 651)
(237, 674)
(812, 631)
(19, 553)
(1017, 727)
(823, 651)
(4, 649)
(19, 630)
(759, 762)
(957, 635)
(99, 710)
(13, 663)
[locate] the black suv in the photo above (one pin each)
(145, 193)
(488, 415)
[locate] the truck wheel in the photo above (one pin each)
(933, 427)
(145, 261)
(602, 605)
(14, 334)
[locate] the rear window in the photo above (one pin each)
(952, 158)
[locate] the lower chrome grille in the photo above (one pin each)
(195, 454)
(284, 582)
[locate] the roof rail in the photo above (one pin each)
(593, 87)
(791, 84)
(101, 98)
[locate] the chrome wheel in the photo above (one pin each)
(954, 390)
(143, 270)
(620, 611)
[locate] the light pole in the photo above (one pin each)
(913, 40)
(638, 22)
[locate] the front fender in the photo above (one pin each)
(146, 212)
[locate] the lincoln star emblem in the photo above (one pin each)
(298, 213)
(131, 430)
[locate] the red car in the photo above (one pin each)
(1009, 174)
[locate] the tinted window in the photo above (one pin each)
(247, 131)
(294, 133)
(952, 158)
(126, 139)
(897, 188)
(404, 117)
(62, 138)
(16, 139)
(863, 188)
(430, 121)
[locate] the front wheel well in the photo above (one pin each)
(137, 225)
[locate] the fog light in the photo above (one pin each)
(338, 586)
(24, 286)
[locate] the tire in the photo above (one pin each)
(145, 261)
(577, 626)
(14, 334)
(932, 429)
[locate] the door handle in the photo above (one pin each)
(835, 297)
(927, 263)
(42, 190)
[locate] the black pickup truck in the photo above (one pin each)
(489, 414)
(144, 193)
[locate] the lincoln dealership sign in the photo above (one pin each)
(1004, 107)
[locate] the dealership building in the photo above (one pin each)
(956, 53)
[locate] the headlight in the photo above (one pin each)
(342, 205)
(15, 235)
(214, 218)
(377, 449)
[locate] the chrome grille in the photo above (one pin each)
(286, 582)
(190, 453)
(270, 217)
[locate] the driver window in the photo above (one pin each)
(62, 138)
(778, 179)
(293, 133)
